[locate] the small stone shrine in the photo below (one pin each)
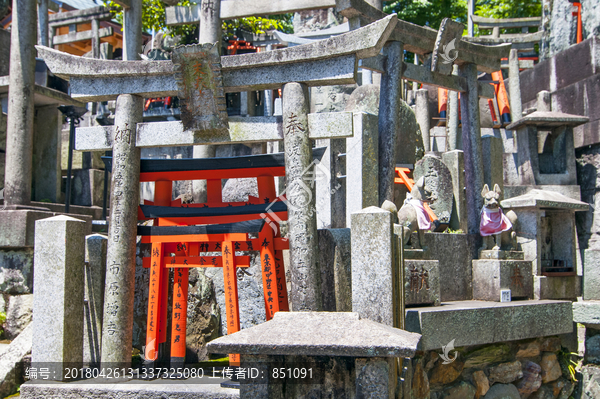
(548, 239)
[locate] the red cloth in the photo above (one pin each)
(493, 222)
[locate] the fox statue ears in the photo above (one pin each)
(486, 190)
(421, 182)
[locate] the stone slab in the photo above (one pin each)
(551, 119)
(421, 282)
(438, 181)
(336, 269)
(491, 276)
(10, 361)
(537, 198)
(319, 334)
(553, 287)
(158, 389)
(500, 254)
(480, 322)
(587, 312)
(241, 130)
(17, 227)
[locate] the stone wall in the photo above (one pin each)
(4, 51)
(512, 370)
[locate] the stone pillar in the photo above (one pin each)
(455, 161)
(209, 32)
(422, 113)
(19, 131)
(331, 185)
(493, 169)
(47, 154)
(132, 31)
(373, 265)
(58, 296)
(471, 140)
(302, 220)
(96, 38)
(454, 137)
(514, 86)
(95, 275)
(362, 179)
(336, 269)
(120, 272)
(389, 123)
(42, 9)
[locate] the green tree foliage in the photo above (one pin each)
(154, 17)
(432, 12)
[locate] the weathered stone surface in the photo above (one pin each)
(478, 323)
(568, 287)
(389, 125)
(551, 344)
(591, 275)
(59, 288)
(120, 277)
(11, 361)
(335, 260)
(464, 390)
(455, 162)
(39, 390)
(482, 383)
(506, 372)
(438, 180)
(545, 392)
(422, 115)
(586, 312)
(93, 312)
(491, 275)
(532, 379)
(376, 378)
(420, 383)
(530, 349)
(590, 381)
(364, 99)
(18, 314)
(421, 282)
(302, 218)
(88, 187)
(16, 271)
(372, 265)
(362, 155)
(502, 391)
(17, 227)
(486, 355)
(46, 154)
(302, 333)
(330, 98)
(238, 190)
(444, 374)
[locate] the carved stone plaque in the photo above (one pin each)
(198, 75)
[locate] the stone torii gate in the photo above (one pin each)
(330, 62)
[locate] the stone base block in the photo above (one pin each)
(421, 282)
(491, 276)
(174, 389)
(587, 312)
(88, 187)
(545, 287)
(479, 323)
(591, 275)
(17, 227)
(503, 255)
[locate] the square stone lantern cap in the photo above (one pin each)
(544, 199)
(319, 334)
(548, 120)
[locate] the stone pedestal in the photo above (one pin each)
(58, 297)
(421, 282)
(492, 275)
(373, 273)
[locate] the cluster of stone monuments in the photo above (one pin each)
(377, 304)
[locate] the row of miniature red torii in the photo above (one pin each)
(181, 252)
